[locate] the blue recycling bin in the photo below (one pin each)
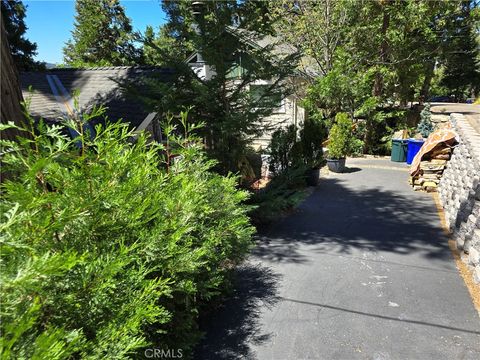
(413, 147)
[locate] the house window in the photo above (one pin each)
(234, 71)
(258, 93)
(235, 67)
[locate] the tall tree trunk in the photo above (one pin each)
(11, 94)
(378, 86)
(425, 90)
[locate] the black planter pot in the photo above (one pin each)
(313, 177)
(336, 165)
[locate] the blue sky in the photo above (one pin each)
(50, 23)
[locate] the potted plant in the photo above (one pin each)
(340, 143)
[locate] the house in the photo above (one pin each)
(50, 93)
(289, 111)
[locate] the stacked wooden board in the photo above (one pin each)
(431, 169)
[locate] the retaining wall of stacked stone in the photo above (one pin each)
(459, 192)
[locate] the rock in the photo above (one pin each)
(441, 151)
(431, 176)
(476, 235)
(441, 157)
(418, 181)
(467, 246)
(473, 219)
(430, 169)
(438, 161)
(473, 256)
(476, 275)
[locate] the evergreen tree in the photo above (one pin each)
(461, 52)
(116, 248)
(383, 55)
(394, 43)
(225, 36)
(405, 45)
(102, 35)
(314, 26)
(425, 127)
(22, 49)
(161, 49)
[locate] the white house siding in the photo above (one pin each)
(290, 113)
(293, 114)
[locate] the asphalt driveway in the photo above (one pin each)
(361, 271)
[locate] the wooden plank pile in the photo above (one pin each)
(431, 169)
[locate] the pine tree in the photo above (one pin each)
(162, 48)
(425, 127)
(461, 53)
(102, 35)
(225, 35)
(22, 49)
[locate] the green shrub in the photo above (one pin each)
(341, 137)
(290, 159)
(312, 135)
(285, 150)
(108, 247)
(281, 194)
(289, 150)
(343, 88)
(358, 141)
(379, 125)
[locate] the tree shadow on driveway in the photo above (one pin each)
(235, 326)
(337, 219)
(349, 169)
(340, 218)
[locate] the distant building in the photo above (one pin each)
(288, 110)
(51, 96)
(52, 99)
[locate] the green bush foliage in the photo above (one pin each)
(285, 150)
(341, 137)
(358, 141)
(312, 135)
(109, 246)
(282, 193)
(341, 89)
(379, 124)
(292, 154)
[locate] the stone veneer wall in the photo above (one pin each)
(459, 192)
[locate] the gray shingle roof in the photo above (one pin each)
(307, 65)
(261, 41)
(101, 85)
